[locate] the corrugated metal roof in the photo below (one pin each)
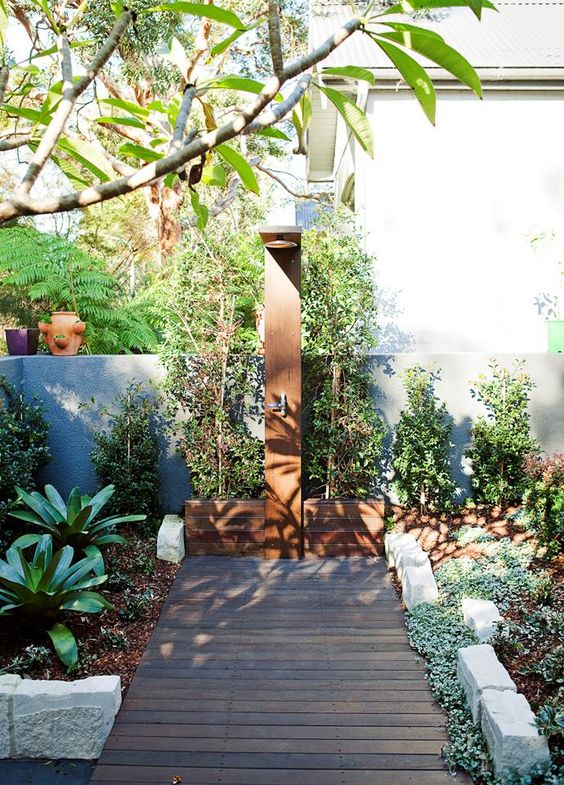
(522, 40)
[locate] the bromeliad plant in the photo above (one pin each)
(39, 590)
(74, 523)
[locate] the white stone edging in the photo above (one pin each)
(481, 616)
(413, 568)
(57, 719)
(170, 539)
(506, 719)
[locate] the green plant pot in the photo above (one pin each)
(556, 335)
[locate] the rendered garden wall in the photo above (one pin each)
(65, 383)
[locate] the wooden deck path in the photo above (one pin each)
(278, 673)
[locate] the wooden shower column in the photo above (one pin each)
(283, 392)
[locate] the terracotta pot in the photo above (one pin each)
(22, 341)
(64, 335)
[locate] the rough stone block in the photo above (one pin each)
(58, 719)
(512, 738)
(8, 685)
(170, 539)
(478, 670)
(419, 585)
(394, 540)
(410, 557)
(481, 616)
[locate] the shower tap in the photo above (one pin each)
(280, 406)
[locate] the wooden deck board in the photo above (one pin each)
(278, 673)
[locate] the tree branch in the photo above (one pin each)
(19, 140)
(71, 92)
(4, 76)
(278, 112)
(21, 204)
(274, 36)
(182, 119)
(281, 182)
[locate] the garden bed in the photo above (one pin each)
(110, 643)
(530, 594)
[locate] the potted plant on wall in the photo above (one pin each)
(551, 304)
(88, 305)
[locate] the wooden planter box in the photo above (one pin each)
(349, 527)
(332, 527)
(233, 527)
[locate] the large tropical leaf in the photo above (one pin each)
(64, 643)
(241, 83)
(86, 602)
(241, 166)
(138, 151)
(408, 6)
(415, 76)
(351, 72)
(435, 49)
(353, 116)
(221, 15)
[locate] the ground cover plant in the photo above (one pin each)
(494, 558)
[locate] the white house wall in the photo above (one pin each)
(448, 211)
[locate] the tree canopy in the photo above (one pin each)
(168, 96)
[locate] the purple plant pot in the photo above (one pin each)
(22, 341)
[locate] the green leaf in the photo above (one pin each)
(222, 46)
(56, 500)
(100, 500)
(408, 6)
(34, 115)
(435, 49)
(26, 540)
(353, 116)
(214, 175)
(137, 151)
(111, 120)
(94, 553)
(86, 155)
(128, 106)
(201, 212)
(86, 601)
(351, 72)
(415, 76)
(117, 8)
(174, 52)
(241, 83)
(64, 643)
(244, 170)
(274, 133)
(221, 15)
(107, 539)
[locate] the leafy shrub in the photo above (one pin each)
(39, 590)
(501, 439)
(343, 433)
(212, 381)
(127, 455)
(23, 446)
(118, 581)
(544, 500)
(74, 522)
(57, 275)
(136, 604)
(422, 446)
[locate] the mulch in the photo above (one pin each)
(134, 560)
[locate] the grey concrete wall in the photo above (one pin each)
(457, 372)
(11, 368)
(64, 383)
